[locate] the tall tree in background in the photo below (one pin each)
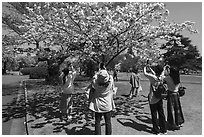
(182, 54)
(12, 18)
(9, 51)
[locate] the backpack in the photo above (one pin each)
(159, 89)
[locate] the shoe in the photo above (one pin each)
(155, 132)
(129, 97)
(181, 125)
(175, 128)
(69, 117)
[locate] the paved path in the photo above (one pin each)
(133, 124)
(12, 124)
(129, 119)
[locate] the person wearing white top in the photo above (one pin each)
(135, 79)
(67, 79)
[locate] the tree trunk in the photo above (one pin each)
(37, 45)
(4, 67)
(53, 72)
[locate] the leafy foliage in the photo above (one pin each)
(100, 31)
(35, 72)
(106, 28)
(182, 55)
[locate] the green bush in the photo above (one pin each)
(26, 71)
(81, 78)
(35, 72)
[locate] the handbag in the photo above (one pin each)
(181, 91)
(115, 89)
(159, 89)
(139, 88)
(89, 92)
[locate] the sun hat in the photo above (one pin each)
(103, 77)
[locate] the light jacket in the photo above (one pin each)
(102, 97)
(68, 86)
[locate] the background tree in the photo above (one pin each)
(182, 54)
(8, 52)
(14, 15)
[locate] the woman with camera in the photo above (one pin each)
(67, 79)
(156, 104)
(175, 117)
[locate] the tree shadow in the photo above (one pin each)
(144, 96)
(137, 126)
(14, 109)
(125, 95)
(9, 89)
(80, 130)
(44, 102)
(43, 105)
(144, 118)
(127, 107)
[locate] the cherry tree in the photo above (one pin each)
(102, 31)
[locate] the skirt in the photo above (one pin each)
(174, 110)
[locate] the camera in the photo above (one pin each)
(148, 61)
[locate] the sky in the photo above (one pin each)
(192, 11)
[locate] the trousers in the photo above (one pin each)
(108, 127)
(155, 109)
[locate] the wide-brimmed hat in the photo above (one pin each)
(103, 77)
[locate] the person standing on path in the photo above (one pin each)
(135, 83)
(102, 102)
(67, 76)
(115, 74)
(156, 104)
(175, 116)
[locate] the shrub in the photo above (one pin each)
(26, 71)
(35, 72)
(39, 72)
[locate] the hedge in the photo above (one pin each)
(35, 72)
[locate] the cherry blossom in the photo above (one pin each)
(106, 28)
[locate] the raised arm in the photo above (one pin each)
(152, 71)
(147, 74)
(145, 70)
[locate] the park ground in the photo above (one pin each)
(131, 117)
